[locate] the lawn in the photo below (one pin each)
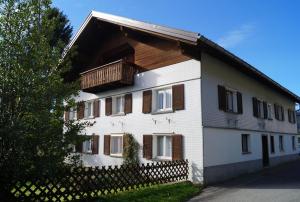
(159, 193)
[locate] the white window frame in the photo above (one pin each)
(86, 105)
(121, 149)
(156, 101)
(248, 139)
(270, 112)
(89, 149)
(114, 105)
(234, 100)
(260, 108)
(155, 147)
(73, 114)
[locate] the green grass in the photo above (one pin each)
(164, 193)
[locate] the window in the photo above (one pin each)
(72, 114)
(229, 101)
(163, 99)
(272, 144)
(164, 147)
(260, 108)
(87, 146)
(281, 148)
(118, 105)
(291, 114)
(279, 112)
(88, 110)
(293, 142)
(245, 143)
(116, 145)
(270, 112)
(298, 140)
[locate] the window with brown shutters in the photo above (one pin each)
(95, 144)
(96, 108)
(291, 116)
(128, 104)
(80, 110)
(279, 112)
(147, 101)
(147, 146)
(108, 106)
(177, 147)
(106, 149)
(230, 100)
(178, 97)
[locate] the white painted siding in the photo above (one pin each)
(186, 122)
(214, 73)
(224, 146)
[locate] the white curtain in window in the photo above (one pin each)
(116, 144)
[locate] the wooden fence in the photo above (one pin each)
(85, 183)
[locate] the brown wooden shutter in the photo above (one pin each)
(67, 115)
(177, 147)
(108, 106)
(96, 108)
(265, 105)
(78, 148)
(147, 146)
(95, 144)
(80, 110)
(125, 142)
(289, 116)
(178, 97)
(128, 103)
(239, 98)
(255, 107)
(222, 97)
(106, 145)
(282, 111)
(147, 101)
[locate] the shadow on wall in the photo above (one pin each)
(197, 173)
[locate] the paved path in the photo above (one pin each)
(280, 184)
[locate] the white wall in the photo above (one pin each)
(186, 122)
(216, 72)
(224, 146)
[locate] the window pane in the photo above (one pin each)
(160, 145)
(168, 146)
(160, 100)
(169, 99)
(229, 100)
(116, 144)
(89, 109)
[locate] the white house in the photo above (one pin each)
(181, 96)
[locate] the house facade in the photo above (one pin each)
(180, 96)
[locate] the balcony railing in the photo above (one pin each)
(115, 74)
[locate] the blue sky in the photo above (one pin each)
(266, 34)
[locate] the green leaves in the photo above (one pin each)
(34, 138)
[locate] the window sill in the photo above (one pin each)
(116, 155)
(163, 112)
(162, 159)
(88, 118)
(120, 114)
(246, 153)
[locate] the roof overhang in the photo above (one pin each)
(190, 38)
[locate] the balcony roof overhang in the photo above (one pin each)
(197, 40)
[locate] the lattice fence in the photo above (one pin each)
(84, 183)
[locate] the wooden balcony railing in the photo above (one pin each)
(115, 74)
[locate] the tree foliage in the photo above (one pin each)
(33, 137)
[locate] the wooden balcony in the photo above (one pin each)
(109, 76)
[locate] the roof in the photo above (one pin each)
(191, 38)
